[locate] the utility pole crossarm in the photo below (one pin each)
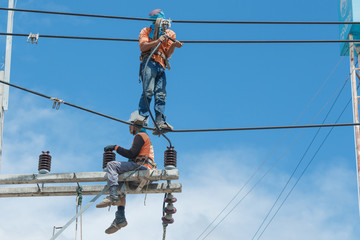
(85, 177)
(46, 191)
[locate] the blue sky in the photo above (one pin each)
(209, 86)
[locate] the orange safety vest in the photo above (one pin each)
(146, 155)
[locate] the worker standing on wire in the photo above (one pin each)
(153, 75)
(141, 157)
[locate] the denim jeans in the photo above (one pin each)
(154, 79)
(115, 168)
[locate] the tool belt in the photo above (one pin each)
(145, 161)
(162, 55)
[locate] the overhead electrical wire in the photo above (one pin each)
(274, 164)
(179, 21)
(66, 103)
(299, 163)
(265, 174)
(191, 130)
(272, 151)
(187, 41)
(302, 173)
(271, 167)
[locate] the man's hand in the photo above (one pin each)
(178, 44)
(162, 38)
(109, 148)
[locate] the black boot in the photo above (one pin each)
(119, 222)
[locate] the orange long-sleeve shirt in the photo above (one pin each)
(164, 47)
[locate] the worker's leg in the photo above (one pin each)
(120, 220)
(149, 81)
(160, 95)
(160, 99)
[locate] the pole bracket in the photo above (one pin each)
(33, 38)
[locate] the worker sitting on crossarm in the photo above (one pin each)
(141, 157)
(153, 76)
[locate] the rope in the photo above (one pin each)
(178, 21)
(164, 232)
(78, 204)
(187, 41)
(79, 213)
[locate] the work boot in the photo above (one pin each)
(164, 127)
(114, 195)
(116, 225)
(106, 202)
(119, 222)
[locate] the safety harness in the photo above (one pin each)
(159, 24)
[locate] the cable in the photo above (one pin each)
(188, 41)
(69, 104)
(266, 128)
(179, 21)
(192, 130)
(274, 164)
(266, 159)
(145, 95)
(298, 165)
(73, 37)
(304, 170)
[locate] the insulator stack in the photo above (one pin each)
(44, 162)
(170, 156)
(108, 157)
(169, 210)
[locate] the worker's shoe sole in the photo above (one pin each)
(114, 227)
(106, 202)
(164, 128)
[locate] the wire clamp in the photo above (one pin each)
(57, 103)
(33, 38)
(165, 23)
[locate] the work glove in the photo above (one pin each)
(109, 148)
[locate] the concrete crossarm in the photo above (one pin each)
(85, 177)
(87, 190)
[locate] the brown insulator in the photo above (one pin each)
(108, 157)
(44, 162)
(170, 158)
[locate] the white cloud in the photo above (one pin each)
(323, 206)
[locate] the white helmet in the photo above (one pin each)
(136, 117)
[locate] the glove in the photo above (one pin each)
(109, 148)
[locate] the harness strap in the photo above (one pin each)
(145, 161)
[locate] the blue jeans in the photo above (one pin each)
(154, 79)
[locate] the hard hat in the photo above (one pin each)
(135, 116)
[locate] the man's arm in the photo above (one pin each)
(146, 46)
(171, 49)
(134, 150)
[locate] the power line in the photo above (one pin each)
(302, 173)
(188, 41)
(181, 21)
(272, 166)
(73, 37)
(190, 130)
(66, 103)
(298, 164)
